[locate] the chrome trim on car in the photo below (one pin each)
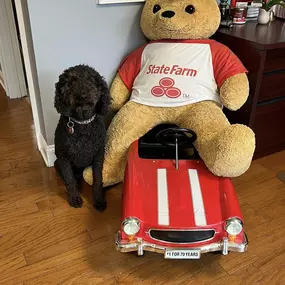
(140, 245)
(225, 246)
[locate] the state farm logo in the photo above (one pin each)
(166, 87)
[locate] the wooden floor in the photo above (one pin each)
(44, 241)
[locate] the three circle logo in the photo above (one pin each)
(166, 87)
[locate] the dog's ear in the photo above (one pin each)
(61, 93)
(58, 104)
(105, 99)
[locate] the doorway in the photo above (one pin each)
(18, 60)
(20, 48)
(12, 75)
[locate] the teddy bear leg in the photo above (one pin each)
(130, 123)
(226, 149)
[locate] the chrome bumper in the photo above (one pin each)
(140, 246)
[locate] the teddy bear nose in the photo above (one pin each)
(168, 14)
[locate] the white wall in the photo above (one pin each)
(70, 32)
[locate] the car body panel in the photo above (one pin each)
(142, 175)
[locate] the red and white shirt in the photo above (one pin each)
(169, 73)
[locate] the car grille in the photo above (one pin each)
(182, 236)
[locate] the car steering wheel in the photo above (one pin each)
(176, 136)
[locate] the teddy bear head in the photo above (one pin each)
(180, 19)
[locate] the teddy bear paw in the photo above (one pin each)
(109, 179)
(88, 175)
(231, 151)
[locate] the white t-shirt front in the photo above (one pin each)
(176, 73)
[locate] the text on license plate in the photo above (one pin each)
(182, 254)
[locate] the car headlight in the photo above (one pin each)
(131, 226)
(234, 226)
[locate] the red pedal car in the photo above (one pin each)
(172, 204)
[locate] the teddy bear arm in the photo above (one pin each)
(119, 93)
(234, 91)
(226, 149)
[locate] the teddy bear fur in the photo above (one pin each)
(226, 149)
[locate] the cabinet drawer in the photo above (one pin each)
(269, 127)
(275, 60)
(272, 85)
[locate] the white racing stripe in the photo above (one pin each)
(162, 196)
(198, 203)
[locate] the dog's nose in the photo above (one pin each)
(168, 14)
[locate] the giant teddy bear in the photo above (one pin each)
(180, 76)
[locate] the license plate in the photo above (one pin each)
(182, 254)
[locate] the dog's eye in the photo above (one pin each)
(190, 9)
(156, 8)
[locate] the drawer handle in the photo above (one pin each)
(274, 72)
(271, 101)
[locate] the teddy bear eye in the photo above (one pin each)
(190, 9)
(156, 8)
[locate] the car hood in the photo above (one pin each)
(165, 197)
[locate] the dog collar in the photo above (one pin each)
(83, 122)
(70, 124)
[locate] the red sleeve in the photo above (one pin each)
(225, 63)
(130, 67)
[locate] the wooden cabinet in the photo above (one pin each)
(261, 48)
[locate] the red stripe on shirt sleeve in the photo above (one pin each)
(130, 67)
(225, 63)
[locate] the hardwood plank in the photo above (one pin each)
(274, 162)
(160, 271)
(9, 220)
(276, 277)
(97, 261)
(210, 272)
(7, 205)
(256, 172)
(34, 239)
(57, 248)
(262, 239)
(247, 276)
(10, 264)
(109, 227)
(258, 197)
(74, 281)
(48, 270)
(4, 165)
(82, 214)
(52, 202)
(34, 199)
(273, 210)
(111, 281)
(271, 260)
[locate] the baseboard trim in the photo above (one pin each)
(47, 151)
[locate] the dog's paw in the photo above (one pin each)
(75, 201)
(100, 205)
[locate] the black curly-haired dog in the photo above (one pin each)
(82, 99)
